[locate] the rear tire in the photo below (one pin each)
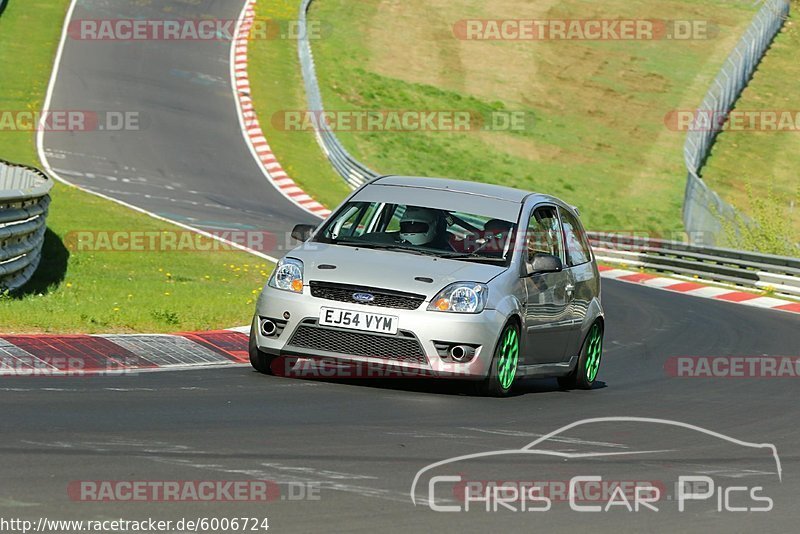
(585, 372)
(503, 371)
(261, 361)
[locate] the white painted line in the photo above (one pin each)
(49, 169)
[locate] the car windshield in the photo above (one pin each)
(420, 230)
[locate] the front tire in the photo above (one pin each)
(585, 372)
(503, 371)
(261, 361)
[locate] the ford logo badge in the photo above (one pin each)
(363, 297)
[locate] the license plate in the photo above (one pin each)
(358, 320)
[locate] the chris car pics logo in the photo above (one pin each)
(449, 486)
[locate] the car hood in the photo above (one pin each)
(388, 269)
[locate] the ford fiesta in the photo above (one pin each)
(454, 279)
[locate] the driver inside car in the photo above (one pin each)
(424, 227)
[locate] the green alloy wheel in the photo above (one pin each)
(594, 351)
(585, 372)
(503, 371)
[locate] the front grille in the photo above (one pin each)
(402, 347)
(385, 298)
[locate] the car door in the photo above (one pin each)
(547, 321)
(582, 277)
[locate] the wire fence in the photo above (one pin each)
(704, 212)
(24, 201)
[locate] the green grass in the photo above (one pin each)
(599, 139)
(277, 87)
(77, 291)
(29, 33)
(747, 165)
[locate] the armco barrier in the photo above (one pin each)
(24, 200)
(748, 269)
(354, 172)
(703, 209)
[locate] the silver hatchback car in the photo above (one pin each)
(448, 278)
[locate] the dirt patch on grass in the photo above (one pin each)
(413, 40)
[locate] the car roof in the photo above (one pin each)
(457, 186)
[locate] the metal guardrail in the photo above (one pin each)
(354, 172)
(779, 274)
(24, 201)
(703, 209)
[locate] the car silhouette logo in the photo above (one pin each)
(363, 297)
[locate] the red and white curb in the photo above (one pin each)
(120, 354)
(699, 290)
(249, 120)
(78, 355)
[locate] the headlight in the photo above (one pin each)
(288, 275)
(461, 297)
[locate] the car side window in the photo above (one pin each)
(544, 233)
(577, 244)
(394, 222)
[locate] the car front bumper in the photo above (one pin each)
(479, 330)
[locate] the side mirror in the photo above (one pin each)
(545, 263)
(302, 232)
